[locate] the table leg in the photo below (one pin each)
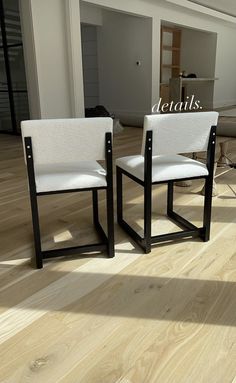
(223, 160)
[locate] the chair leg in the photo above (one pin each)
(170, 196)
(147, 216)
(110, 222)
(207, 209)
(119, 191)
(36, 230)
(95, 207)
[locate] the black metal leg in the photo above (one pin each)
(148, 192)
(188, 229)
(209, 185)
(34, 203)
(109, 192)
(170, 192)
(110, 222)
(119, 189)
(147, 216)
(36, 230)
(95, 207)
(96, 222)
(207, 208)
(146, 241)
(107, 240)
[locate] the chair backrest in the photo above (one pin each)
(179, 132)
(67, 140)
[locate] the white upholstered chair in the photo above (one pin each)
(164, 137)
(61, 156)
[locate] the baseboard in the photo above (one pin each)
(225, 104)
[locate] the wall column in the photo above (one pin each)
(72, 9)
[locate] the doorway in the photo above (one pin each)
(117, 62)
(90, 65)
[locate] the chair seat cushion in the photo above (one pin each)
(81, 175)
(164, 167)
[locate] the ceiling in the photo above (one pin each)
(225, 6)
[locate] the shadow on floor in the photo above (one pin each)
(134, 296)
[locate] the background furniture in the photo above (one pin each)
(61, 157)
(164, 137)
(226, 131)
(170, 58)
(179, 90)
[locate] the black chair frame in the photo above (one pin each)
(107, 241)
(189, 230)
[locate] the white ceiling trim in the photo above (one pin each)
(194, 6)
(228, 8)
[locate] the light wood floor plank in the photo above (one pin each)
(165, 317)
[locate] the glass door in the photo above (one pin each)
(13, 91)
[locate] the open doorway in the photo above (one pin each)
(117, 62)
(189, 54)
(90, 65)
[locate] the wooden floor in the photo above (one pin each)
(165, 317)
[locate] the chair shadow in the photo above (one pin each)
(225, 214)
(227, 197)
(135, 296)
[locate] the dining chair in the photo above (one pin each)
(61, 157)
(166, 137)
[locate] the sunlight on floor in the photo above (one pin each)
(62, 237)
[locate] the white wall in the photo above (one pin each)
(124, 87)
(54, 62)
(30, 58)
(89, 14)
(198, 52)
(51, 55)
(225, 88)
(50, 72)
(198, 55)
(74, 53)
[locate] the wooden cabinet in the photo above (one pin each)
(170, 58)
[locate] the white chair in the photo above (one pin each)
(164, 137)
(61, 156)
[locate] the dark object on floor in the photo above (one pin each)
(190, 75)
(98, 111)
